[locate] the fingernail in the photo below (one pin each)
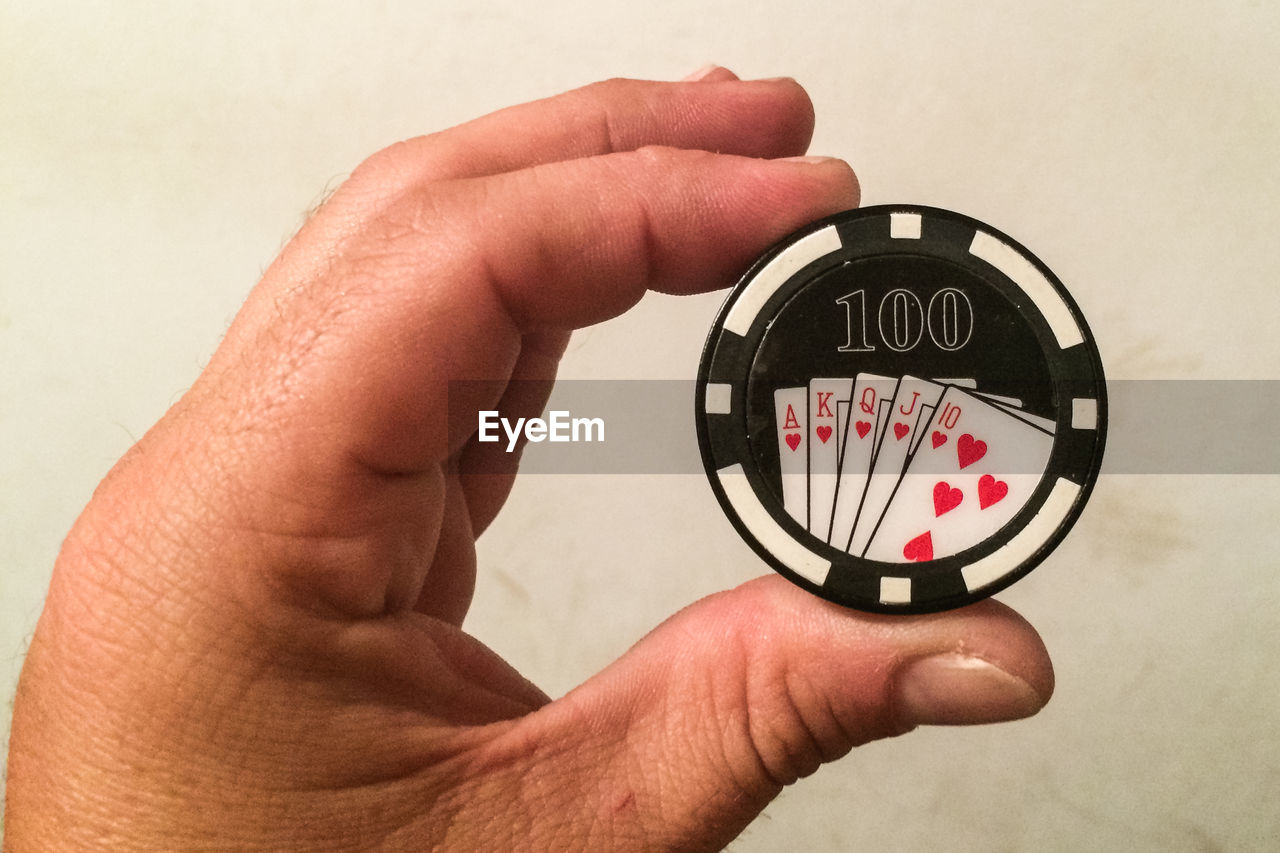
(775, 80)
(808, 158)
(957, 690)
(701, 74)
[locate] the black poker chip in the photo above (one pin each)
(901, 409)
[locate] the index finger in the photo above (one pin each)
(443, 284)
(755, 118)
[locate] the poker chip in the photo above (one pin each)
(901, 409)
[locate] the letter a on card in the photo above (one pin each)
(791, 413)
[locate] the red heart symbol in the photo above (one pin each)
(939, 439)
(969, 451)
(991, 490)
(793, 440)
(919, 549)
(863, 428)
(824, 432)
(946, 498)
(900, 430)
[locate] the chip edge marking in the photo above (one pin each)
(1023, 273)
(775, 274)
(895, 590)
(904, 226)
(775, 540)
(1084, 413)
(1026, 541)
(719, 398)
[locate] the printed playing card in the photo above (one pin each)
(823, 450)
(1015, 409)
(1007, 402)
(909, 400)
(1013, 406)
(882, 418)
(842, 419)
(977, 466)
(870, 391)
(790, 412)
(926, 412)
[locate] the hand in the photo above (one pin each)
(252, 641)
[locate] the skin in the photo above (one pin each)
(252, 635)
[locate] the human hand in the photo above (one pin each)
(252, 640)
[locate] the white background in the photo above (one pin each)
(154, 157)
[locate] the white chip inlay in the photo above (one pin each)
(1084, 413)
(1023, 273)
(895, 590)
(775, 540)
(775, 274)
(904, 226)
(719, 398)
(1025, 543)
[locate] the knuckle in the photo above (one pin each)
(780, 728)
(609, 89)
(668, 158)
(790, 722)
(378, 164)
(400, 163)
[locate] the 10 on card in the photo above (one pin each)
(901, 409)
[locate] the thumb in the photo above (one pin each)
(698, 727)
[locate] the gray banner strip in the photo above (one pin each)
(648, 427)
